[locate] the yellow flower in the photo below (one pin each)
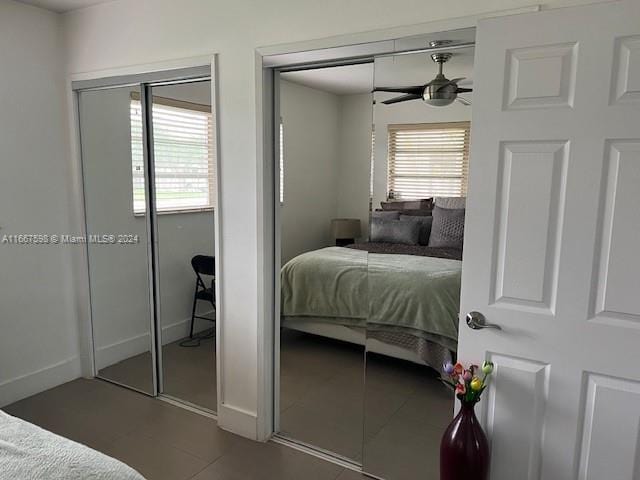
(476, 384)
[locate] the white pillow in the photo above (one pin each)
(450, 202)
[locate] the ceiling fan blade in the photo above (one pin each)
(464, 90)
(464, 101)
(414, 90)
(403, 98)
(456, 80)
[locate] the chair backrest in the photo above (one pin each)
(204, 264)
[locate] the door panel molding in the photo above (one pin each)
(614, 300)
(515, 416)
(610, 445)
(540, 77)
(527, 260)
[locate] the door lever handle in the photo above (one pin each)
(476, 321)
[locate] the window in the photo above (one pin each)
(427, 160)
(183, 156)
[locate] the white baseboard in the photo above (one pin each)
(132, 346)
(237, 420)
(29, 384)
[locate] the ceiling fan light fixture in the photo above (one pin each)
(438, 102)
(439, 92)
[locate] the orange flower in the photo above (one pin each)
(458, 369)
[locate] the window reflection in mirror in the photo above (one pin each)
(420, 171)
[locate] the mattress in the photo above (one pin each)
(28, 452)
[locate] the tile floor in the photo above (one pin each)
(394, 427)
(164, 442)
(189, 372)
(406, 408)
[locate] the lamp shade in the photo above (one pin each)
(345, 228)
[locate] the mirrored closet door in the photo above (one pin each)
(415, 259)
(324, 189)
(118, 245)
(184, 193)
(148, 157)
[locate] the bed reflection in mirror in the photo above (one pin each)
(325, 146)
(414, 265)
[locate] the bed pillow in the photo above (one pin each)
(415, 213)
(450, 202)
(385, 215)
(447, 229)
(422, 204)
(425, 226)
(395, 231)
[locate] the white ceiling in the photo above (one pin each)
(62, 6)
(346, 80)
(391, 71)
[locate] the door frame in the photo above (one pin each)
(145, 77)
(338, 50)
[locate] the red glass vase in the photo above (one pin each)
(464, 449)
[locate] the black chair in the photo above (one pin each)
(203, 265)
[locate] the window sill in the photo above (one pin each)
(177, 212)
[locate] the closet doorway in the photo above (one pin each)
(369, 174)
(148, 147)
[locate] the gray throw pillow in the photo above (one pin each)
(450, 202)
(447, 229)
(395, 231)
(425, 226)
(385, 215)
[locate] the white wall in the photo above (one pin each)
(119, 273)
(39, 345)
(311, 120)
(133, 32)
(356, 112)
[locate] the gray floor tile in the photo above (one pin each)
(155, 458)
(260, 461)
(193, 433)
(351, 475)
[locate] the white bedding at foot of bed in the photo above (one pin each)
(28, 452)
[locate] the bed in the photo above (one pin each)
(406, 296)
(28, 452)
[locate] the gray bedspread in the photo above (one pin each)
(387, 292)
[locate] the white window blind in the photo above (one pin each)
(183, 156)
(428, 160)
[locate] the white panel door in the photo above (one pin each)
(552, 247)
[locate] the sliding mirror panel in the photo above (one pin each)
(118, 240)
(414, 264)
(184, 197)
(325, 147)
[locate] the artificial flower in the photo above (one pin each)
(476, 384)
(487, 368)
(458, 368)
(461, 389)
(467, 375)
(448, 368)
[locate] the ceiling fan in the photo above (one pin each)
(439, 92)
